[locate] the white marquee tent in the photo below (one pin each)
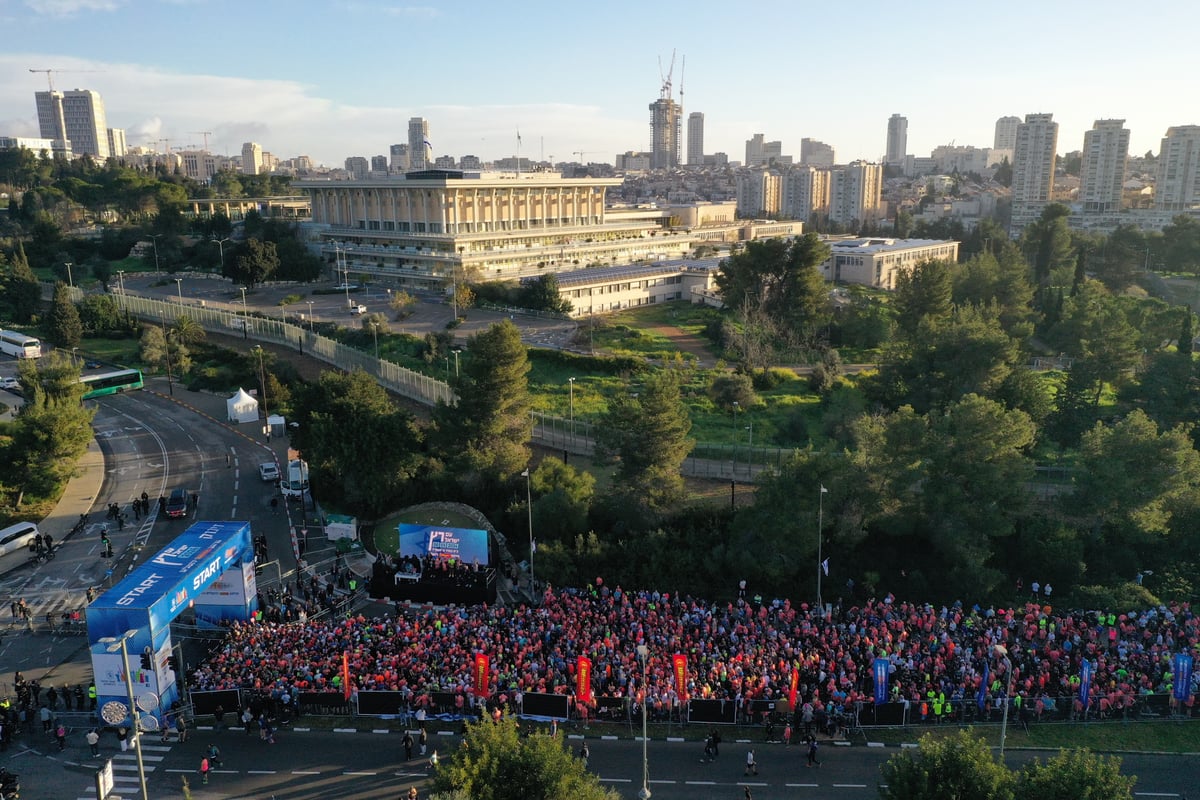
(241, 407)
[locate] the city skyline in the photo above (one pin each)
(571, 84)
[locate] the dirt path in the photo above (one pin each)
(687, 342)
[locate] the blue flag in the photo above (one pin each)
(881, 680)
(981, 697)
(1085, 682)
(1182, 677)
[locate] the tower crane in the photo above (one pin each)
(580, 153)
(665, 93)
(205, 134)
(682, 67)
(49, 72)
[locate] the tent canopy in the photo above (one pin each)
(241, 407)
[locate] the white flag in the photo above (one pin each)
(825, 567)
(525, 474)
(533, 545)
(824, 490)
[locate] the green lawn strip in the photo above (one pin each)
(1110, 736)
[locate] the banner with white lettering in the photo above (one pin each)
(1181, 684)
(882, 668)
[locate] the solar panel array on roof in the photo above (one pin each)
(591, 275)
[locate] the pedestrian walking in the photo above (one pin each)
(412, 793)
(46, 716)
(214, 756)
(93, 740)
(748, 795)
(812, 752)
(584, 754)
(181, 728)
(60, 733)
(751, 764)
(218, 717)
(407, 741)
(204, 768)
(123, 739)
(423, 740)
(787, 734)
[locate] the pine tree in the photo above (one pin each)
(22, 292)
(63, 326)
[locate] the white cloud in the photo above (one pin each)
(69, 8)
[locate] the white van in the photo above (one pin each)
(17, 537)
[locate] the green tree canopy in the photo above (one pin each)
(1074, 775)
(923, 293)
(1047, 244)
(63, 326)
(783, 276)
(542, 293)
(951, 768)
(256, 262)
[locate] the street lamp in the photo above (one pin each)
(820, 537)
(310, 324)
(117, 645)
(571, 383)
(375, 336)
(735, 435)
(529, 509)
(179, 290)
(456, 351)
(644, 654)
(73, 361)
(167, 353)
(262, 377)
(245, 315)
(750, 448)
(1002, 653)
(221, 247)
(154, 238)
(71, 281)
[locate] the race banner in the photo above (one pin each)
(583, 680)
(881, 668)
(346, 673)
(981, 696)
(1181, 687)
(482, 671)
(794, 688)
(1085, 682)
(679, 662)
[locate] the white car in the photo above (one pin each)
(9, 382)
(268, 471)
(358, 308)
(345, 287)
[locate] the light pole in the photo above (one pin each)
(262, 377)
(375, 336)
(820, 537)
(644, 654)
(310, 324)
(571, 383)
(735, 438)
(245, 315)
(1002, 653)
(115, 645)
(456, 351)
(167, 353)
(529, 509)
(121, 288)
(179, 290)
(750, 448)
(221, 248)
(71, 281)
(154, 238)
(73, 361)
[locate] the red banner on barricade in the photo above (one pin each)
(583, 680)
(346, 673)
(679, 661)
(482, 670)
(794, 688)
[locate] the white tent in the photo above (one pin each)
(241, 407)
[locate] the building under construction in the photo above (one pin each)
(666, 123)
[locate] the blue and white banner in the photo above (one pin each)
(882, 667)
(1085, 682)
(1181, 668)
(981, 696)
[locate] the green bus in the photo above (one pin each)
(108, 383)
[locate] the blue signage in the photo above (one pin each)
(462, 544)
(1181, 683)
(882, 668)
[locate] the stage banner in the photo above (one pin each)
(679, 662)
(1182, 678)
(346, 674)
(1085, 682)
(881, 668)
(482, 668)
(795, 687)
(981, 695)
(583, 680)
(466, 545)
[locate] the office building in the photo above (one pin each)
(76, 116)
(357, 167)
(695, 139)
(398, 154)
(1102, 175)
(897, 140)
(379, 164)
(37, 145)
(1178, 185)
(804, 193)
(252, 158)
(816, 154)
(632, 162)
(1033, 168)
(1006, 133)
(116, 142)
(665, 122)
(855, 194)
(419, 147)
(761, 153)
(880, 262)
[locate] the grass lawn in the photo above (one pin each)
(1169, 737)
(387, 538)
(111, 351)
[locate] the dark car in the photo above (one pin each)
(177, 504)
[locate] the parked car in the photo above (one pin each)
(177, 503)
(9, 382)
(268, 471)
(358, 308)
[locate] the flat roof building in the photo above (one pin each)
(879, 262)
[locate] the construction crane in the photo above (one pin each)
(682, 67)
(205, 134)
(665, 94)
(580, 153)
(50, 80)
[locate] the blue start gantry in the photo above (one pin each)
(208, 569)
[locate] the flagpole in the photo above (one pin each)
(820, 526)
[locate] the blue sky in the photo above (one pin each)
(337, 79)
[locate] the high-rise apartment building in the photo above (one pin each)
(399, 157)
(252, 160)
(1178, 185)
(1033, 159)
(759, 193)
(760, 153)
(804, 193)
(379, 164)
(357, 167)
(666, 119)
(1006, 133)
(75, 116)
(695, 139)
(897, 140)
(1102, 176)
(419, 148)
(855, 192)
(816, 154)
(116, 142)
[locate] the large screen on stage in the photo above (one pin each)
(463, 544)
